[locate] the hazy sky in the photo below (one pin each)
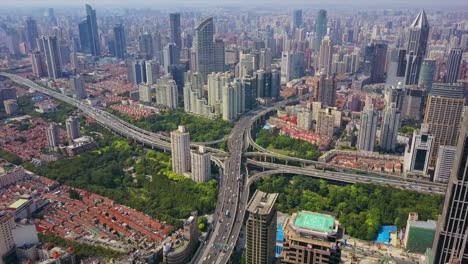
(287, 3)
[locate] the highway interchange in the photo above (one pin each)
(234, 183)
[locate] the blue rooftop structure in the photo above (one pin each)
(384, 234)
(279, 240)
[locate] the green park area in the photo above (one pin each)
(360, 208)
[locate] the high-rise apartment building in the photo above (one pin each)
(444, 109)
(216, 82)
(201, 165)
(136, 71)
(367, 128)
(261, 228)
(11, 106)
(325, 123)
(171, 56)
(31, 33)
(233, 100)
(265, 58)
(37, 64)
(73, 128)
(325, 56)
(304, 119)
(324, 89)
(452, 228)
(453, 65)
(166, 92)
(180, 146)
(390, 126)
(77, 85)
(7, 243)
(144, 92)
(204, 48)
(53, 137)
(152, 72)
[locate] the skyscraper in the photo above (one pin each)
(375, 61)
(265, 58)
(53, 137)
(219, 55)
(120, 43)
(452, 228)
(171, 56)
(180, 145)
(37, 64)
(453, 65)
(389, 129)
(50, 49)
(31, 33)
(444, 109)
(233, 100)
(78, 87)
(136, 71)
(324, 89)
(250, 89)
(367, 128)
(201, 165)
(325, 56)
(73, 128)
(416, 48)
(418, 151)
(88, 30)
(204, 48)
(144, 92)
(145, 45)
(444, 164)
(174, 23)
(261, 228)
(152, 72)
(7, 222)
(166, 92)
(426, 75)
(297, 18)
(320, 28)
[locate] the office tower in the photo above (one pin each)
(324, 89)
(312, 238)
(180, 146)
(275, 83)
(233, 100)
(426, 76)
(453, 65)
(444, 109)
(166, 92)
(263, 83)
(171, 56)
(152, 72)
(7, 223)
(88, 31)
(389, 129)
(53, 137)
(418, 151)
(367, 128)
(320, 28)
(37, 64)
(451, 234)
(246, 64)
(201, 165)
(416, 48)
(375, 61)
(11, 106)
(219, 55)
(297, 67)
(77, 85)
(120, 45)
(204, 48)
(73, 128)
(174, 23)
(297, 18)
(413, 101)
(136, 71)
(50, 49)
(249, 85)
(216, 82)
(261, 228)
(50, 15)
(145, 45)
(325, 56)
(304, 119)
(444, 164)
(265, 58)
(144, 92)
(394, 94)
(31, 33)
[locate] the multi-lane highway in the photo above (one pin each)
(233, 191)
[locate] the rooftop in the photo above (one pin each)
(262, 203)
(18, 203)
(314, 221)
